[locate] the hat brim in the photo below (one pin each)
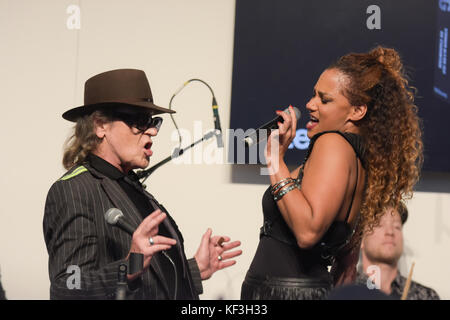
(135, 107)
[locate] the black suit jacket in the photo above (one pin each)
(81, 243)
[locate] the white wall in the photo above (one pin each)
(43, 68)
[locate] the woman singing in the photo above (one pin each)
(365, 154)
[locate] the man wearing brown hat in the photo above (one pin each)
(113, 135)
(381, 250)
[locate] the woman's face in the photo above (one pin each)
(329, 109)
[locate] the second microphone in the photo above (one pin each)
(262, 132)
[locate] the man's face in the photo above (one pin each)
(125, 146)
(385, 243)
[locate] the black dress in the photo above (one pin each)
(280, 269)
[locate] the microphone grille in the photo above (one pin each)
(113, 215)
(296, 111)
(298, 114)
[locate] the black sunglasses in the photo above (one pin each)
(142, 122)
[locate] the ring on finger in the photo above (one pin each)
(151, 241)
(219, 258)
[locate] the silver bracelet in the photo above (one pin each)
(285, 190)
(275, 188)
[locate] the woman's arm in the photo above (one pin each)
(310, 211)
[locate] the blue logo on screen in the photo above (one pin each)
(444, 5)
(440, 92)
(301, 140)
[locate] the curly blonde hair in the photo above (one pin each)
(391, 129)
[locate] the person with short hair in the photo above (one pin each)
(381, 249)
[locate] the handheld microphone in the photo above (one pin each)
(258, 135)
(217, 127)
(115, 217)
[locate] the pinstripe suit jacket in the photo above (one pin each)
(76, 234)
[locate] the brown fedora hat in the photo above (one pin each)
(122, 88)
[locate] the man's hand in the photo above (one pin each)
(212, 255)
(141, 239)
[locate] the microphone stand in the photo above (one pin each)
(144, 174)
(121, 289)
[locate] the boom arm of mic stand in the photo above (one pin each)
(144, 174)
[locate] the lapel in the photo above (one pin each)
(175, 234)
(121, 201)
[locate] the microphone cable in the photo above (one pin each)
(144, 174)
(176, 274)
(176, 93)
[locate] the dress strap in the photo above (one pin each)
(354, 192)
(355, 140)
